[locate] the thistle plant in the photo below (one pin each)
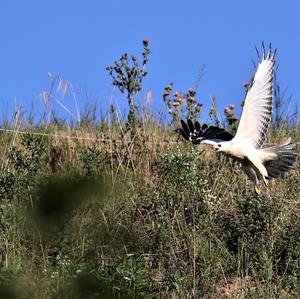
(182, 105)
(127, 75)
(231, 118)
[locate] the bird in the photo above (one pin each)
(247, 145)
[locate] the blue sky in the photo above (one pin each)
(77, 39)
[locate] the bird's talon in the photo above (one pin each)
(257, 190)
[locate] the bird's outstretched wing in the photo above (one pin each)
(197, 134)
(257, 110)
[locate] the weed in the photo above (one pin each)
(181, 105)
(127, 75)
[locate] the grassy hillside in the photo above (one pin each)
(99, 215)
(127, 209)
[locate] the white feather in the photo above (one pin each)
(257, 111)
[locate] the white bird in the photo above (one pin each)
(246, 146)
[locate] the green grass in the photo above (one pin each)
(142, 219)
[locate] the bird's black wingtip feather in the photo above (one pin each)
(196, 133)
(190, 125)
(183, 133)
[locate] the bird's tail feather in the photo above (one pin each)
(286, 156)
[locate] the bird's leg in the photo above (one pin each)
(260, 167)
(265, 181)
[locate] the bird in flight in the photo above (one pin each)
(260, 164)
